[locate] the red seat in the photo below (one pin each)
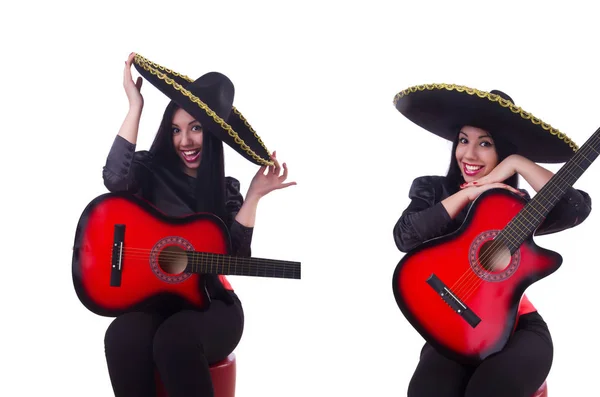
(542, 391)
(223, 378)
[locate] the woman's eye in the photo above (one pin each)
(175, 130)
(197, 128)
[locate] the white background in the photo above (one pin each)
(316, 81)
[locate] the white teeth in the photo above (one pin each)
(473, 167)
(190, 152)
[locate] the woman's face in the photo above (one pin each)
(475, 153)
(187, 140)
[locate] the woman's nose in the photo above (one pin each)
(471, 152)
(186, 139)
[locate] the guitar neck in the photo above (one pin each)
(534, 213)
(209, 263)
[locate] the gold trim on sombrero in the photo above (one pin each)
(139, 58)
(494, 98)
(152, 68)
(247, 124)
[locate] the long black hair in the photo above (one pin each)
(504, 148)
(210, 179)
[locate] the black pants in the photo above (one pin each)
(180, 345)
(516, 371)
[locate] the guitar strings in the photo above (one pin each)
(213, 259)
(201, 259)
(496, 250)
(280, 273)
(500, 247)
(477, 281)
(473, 286)
(582, 153)
(237, 267)
(144, 251)
(468, 276)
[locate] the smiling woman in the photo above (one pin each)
(187, 139)
(183, 174)
(475, 152)
(493, 143)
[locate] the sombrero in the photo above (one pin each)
(443, 109)
(209, 99)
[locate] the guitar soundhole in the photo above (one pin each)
(490, 260)
(494, 257)
(172, 260)
(168, 259)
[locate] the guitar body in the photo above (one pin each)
(482, 322)
(111, 279)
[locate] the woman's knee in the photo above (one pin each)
(177, 337)
(131, 332)
(213, 334)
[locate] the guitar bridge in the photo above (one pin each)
(117, 256)
(451, 299)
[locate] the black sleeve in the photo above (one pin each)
(122, 171)
(241, 236)
(424, 218)
(571, 210)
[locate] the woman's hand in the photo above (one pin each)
(535, 175)
(507, 168)
(263, 184)
(472, 192)
(133, 90)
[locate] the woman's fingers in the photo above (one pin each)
(285, 173)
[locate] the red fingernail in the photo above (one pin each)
(474, 183)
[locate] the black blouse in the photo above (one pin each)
(174, 194)
(426, 218)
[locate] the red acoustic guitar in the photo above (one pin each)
(127, 254)
(461, 291)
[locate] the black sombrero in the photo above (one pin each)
(210, 100)
(445, 108)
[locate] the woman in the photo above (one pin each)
(491, 146)
(181, 174)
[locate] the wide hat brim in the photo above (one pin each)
(443, 109)
(209, 99)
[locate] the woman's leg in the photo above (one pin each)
(438, 376)
(189, 341)
(128, 347)
(521, 367)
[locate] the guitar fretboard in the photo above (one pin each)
(533, 214)
(203, 262)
